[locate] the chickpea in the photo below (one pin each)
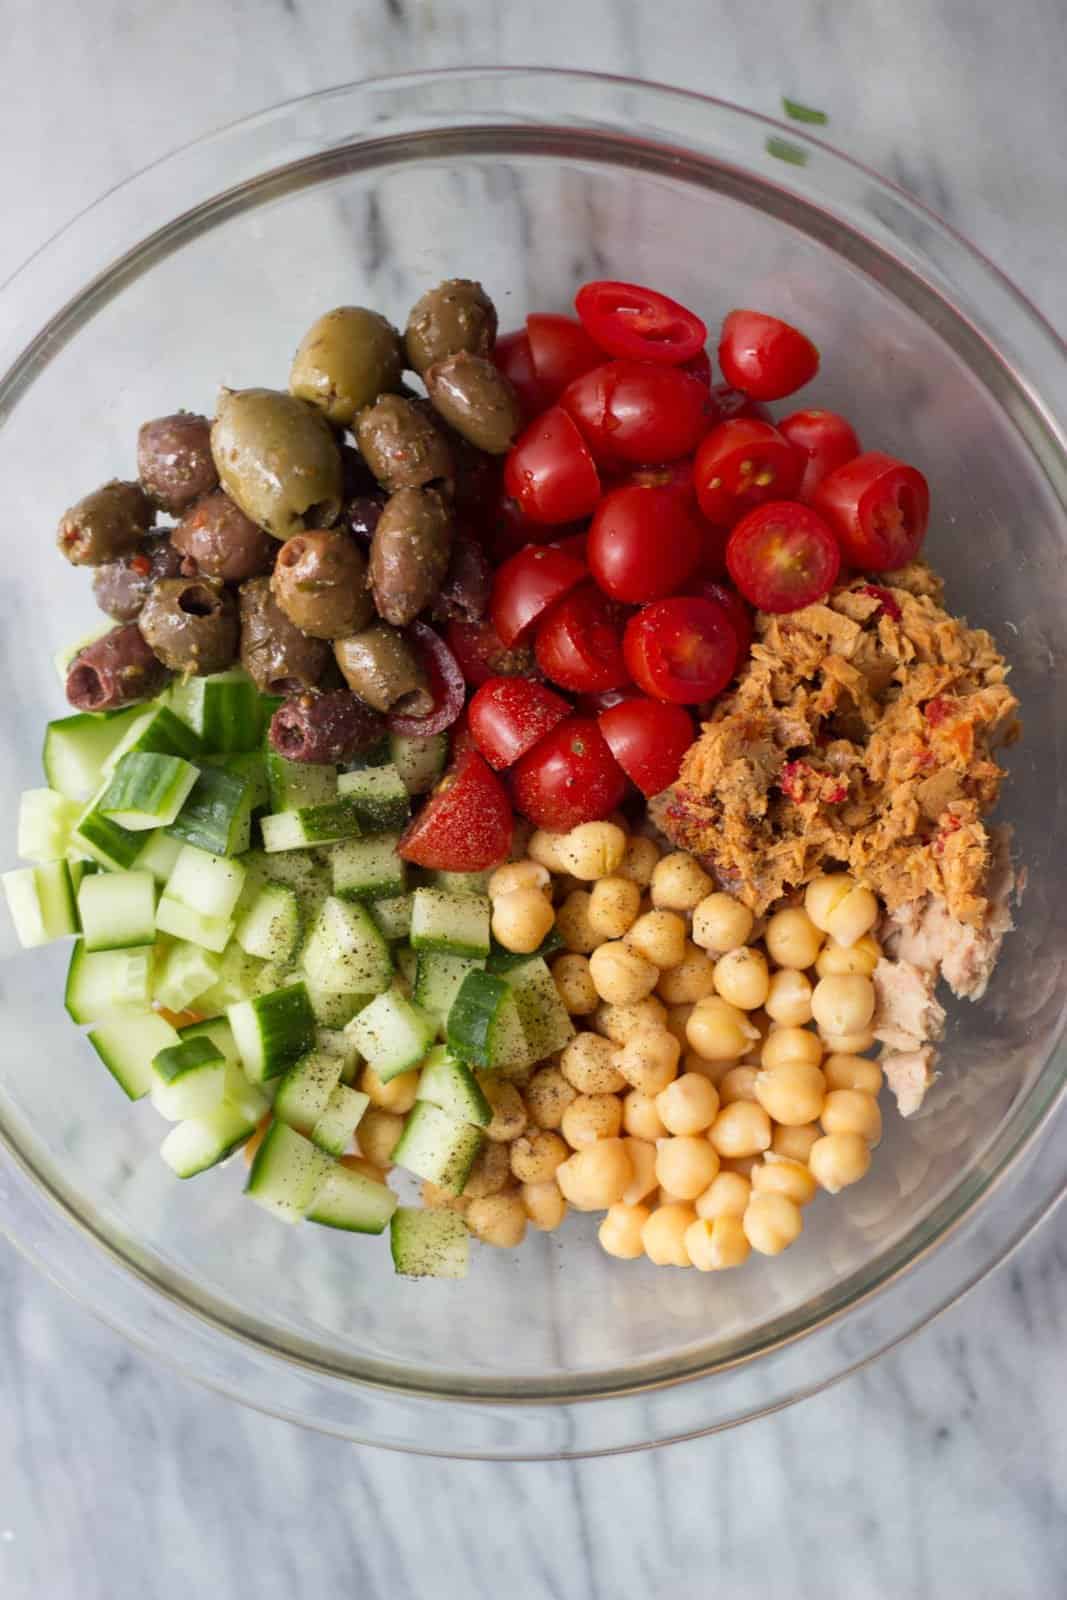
(573, 924)
(842, 1005)
(620, 1232)
(776, 1175)
(792, 939)
(847, 1044)
(640, 1116)
(771, 1222)
(721, 923)
(792, 1092)
(852, 1072)
(544, 1205)
(838, 1159)
(498, 1219)
(675, 1022)
(544, 848)
(744, 1166)
(691, 980)
(659, 936)
(824, 894)
(739, 1083)
(548, 1094)
(519, 875)
(643, 1161)
(718, 1031)
(663, 1235)
(741, 1129)
(592, 1117)
(375, 1173)
(688, 1105)
(613, 906)
(621, 976)
(639, 861)
(508, 1107)
(596, 1176)
(535, 1156)
(522, 919)
(378, 1133)
(490, 1173)
(435, 1199)
(742, 979)
(789, 998)
(795, 1143)
(679, 882)
(619, 1023)
(714, 1071)
(852, 1111)
(398, 1094)
(592, 850)
(686, 1165)
(717, 1243)
(726, 1196)
(588, 1063)
(852, 917)
(575, 987)
(791, 1044)
(649, 1060)
(761, 1025)
(839, 961)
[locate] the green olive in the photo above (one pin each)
(457, 315)
(381, 667)
(278, 459)
(476, 399)
(345, 361)
(108, 523)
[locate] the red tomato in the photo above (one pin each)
(878, 508)
(733, 403)
(827, 440)
(634, 411)
(550, 472)
(561, 351)
(526, 585)
(683, 649)
(783, 556)
(509, 715)
(626, 319)
(465, 825)
(741, 464)
(591, 705)
(575, 545)
(482, 653)
(738, 610)
(765, 357)
(643, 544)
(569, 777)
(446, 684)
(674, 475)
(579, 642)
(648, 739)
(513, 356)
(699, 367)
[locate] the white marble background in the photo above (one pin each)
(942, 1471)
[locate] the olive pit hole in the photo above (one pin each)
(198, 602)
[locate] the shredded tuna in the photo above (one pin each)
(906, 1013)
(909, 1073)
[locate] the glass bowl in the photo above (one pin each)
(206, 269)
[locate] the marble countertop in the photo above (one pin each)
(941, 1470)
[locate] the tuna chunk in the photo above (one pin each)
(909, 1073)
(906, 1013)
(926, 935)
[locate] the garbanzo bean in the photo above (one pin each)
(771, 1222)
(791, 1044)
(374, 1173)
(509, 1108)
(852, 1072)
(776, 1175)
(727, 1195)
(640, 1116)
(596, 1176)
(544, 1205)
(435, 1199)
(795, 1143)
(721, 923)
(842, 1005)
(592, 850)
(522, 919)
(718, 1031)
(649, 1060)
(742, 979)
(789, 998)
(498, 1219)
(544, 848)
(741, 1129)
(591, 1117)
(575, 987)
(639, 861)
(852, 1111)
(620, 1023)
(548, 1094)
(519, 875)
(588, 1063)
(838, 1159)
(675, 1021)
(847, 1044)
(792, 1092)
(691, 980)
(663, 1235)
(397, 1095)
(490, 1173)
(688, 1105)
(621, 975)
(716, 1243)
(573, 924)
(739, 1083)
(535, 1156)
(852, 917)
(839, 961)
(377, 1134)
(620, 1232)
(824, 894)
(742, 1165)
(679, 882)
(660, 937)
(613, 906)
(686, 1165)
(642, 1156)
(792, 939)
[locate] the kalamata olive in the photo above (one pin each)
(447, 688)
(115, 670)
(476, 399)
(464, 594)
(457, 315)
(356, 477)
(345, 361)
(381, 666)
(108, 523)
(219, 541)
(121, 587)
(402, 444)
(325, 727)
(362, 514)
(409, 553)
(477, 480)
(174, 460)
(320, 582)
(278, 459)
(191, 625)
(276, 655)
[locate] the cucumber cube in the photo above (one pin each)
(392, 1034)
(429, 1244)
(117, 910)
(456, 924)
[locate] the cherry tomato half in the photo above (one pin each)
(737, 609)
(764, 356)
(682, 649)
(465, 825)
(526, 585)
(627, 319)
(648, 739)
(699, 367)
(783, 556)
(509, 715)
(482, 653)
(634, 411)
(569, 777)
(742, 464)
(878, 508)
(734, 403)
(560, 350)
(643, 543)
(514, 358)
(579, 642)
(550, 472)
(828, 441)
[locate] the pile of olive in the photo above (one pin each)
(311, 527)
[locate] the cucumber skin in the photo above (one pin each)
(473, 1014)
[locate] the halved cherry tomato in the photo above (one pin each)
(634, 411)
(783, 556)
(643, 543)
(764, 356)
(482, 653)
(742, 464)
(627, 319)
(579, 642)
(560, 350)
(682, 649)
(699, 366)
(826, 438)
(674, 475)
(648, 739)
(878, 508)
(737, 609)
(591, 705)
(550, 472)
(514, 358)
(569, 777)
(509, 715)
(734, 403)
(446, 685)
(465, 825)
(526, 585)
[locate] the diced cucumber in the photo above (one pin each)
(378, 797)
(182, 975)
(304, 1092)
(503, 961)
(367, 869)
(334, 1129)
(46, 821)
(419, 761)
(451, 1085)
(202, 1142)
(81, 868)
(302, 870)
(437, 1147)
(107, 983)
(345, 952)
(223, 708)
(292, 784)
(147, 790)
(376, 756)
(41, 903)
(128, 1048)
(248, 765)
(272, 1030)
(457, 924)
(205, 882)
(429, 1244)
(406, 967)
(334, 1007)
(392, 1034)
(96, 835)
(189, 1078)
(461, 882)
(309, 825)
(438, 980)
(159, 855)
(287, 1173)
(349, 1199)
(335, 1042)
(392, 916)
(117, 910)
(544, 1018)
(156, 731)
(484, 1028)
(63, 658)
(239, 978)
(75, 749)
(182, 922)
(217, 815)
(220, 1033)
(270, 928)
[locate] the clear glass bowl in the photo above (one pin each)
(206, 269)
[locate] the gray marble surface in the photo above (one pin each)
(939, 1472)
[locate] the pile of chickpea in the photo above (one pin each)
(717, 1080)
